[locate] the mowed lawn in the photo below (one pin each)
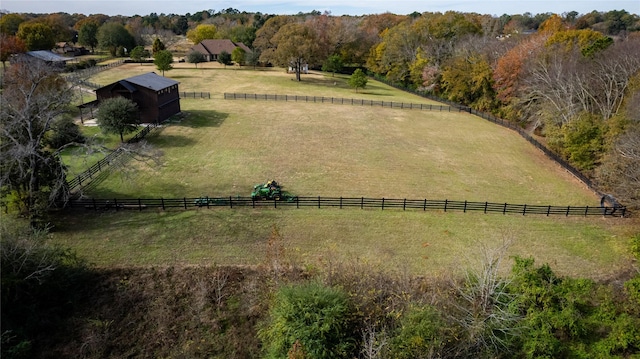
(223, 147)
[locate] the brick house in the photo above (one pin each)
(212, 48)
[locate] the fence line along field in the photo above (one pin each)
(223, 147)
(340, 202)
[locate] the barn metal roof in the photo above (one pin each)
(126, 85)
(152, 81)
(47, 56)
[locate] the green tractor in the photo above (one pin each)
(271, 190)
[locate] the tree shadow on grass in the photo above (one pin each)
(332, 82)
(373, 89)
(165, 141)
(182, 77)
(200, 118)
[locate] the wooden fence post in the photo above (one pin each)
(524, 210)
(504, 210)
(445, 204)
(548, 210)
(185, 202)
(318, 201)
(162, 201)
(485, 207)
(465, 207)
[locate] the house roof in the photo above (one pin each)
(47, 56)
(216, 46)
(151, 81)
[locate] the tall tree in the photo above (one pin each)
(31, 173)
(118, 115)
(10, 45)
(195, 57)
(264, 43)
(88, 35)
(332, 64)
(323, 26)
(238, 56)
(253, 58)
(396, 52)
(113, 35)
(469, 80)
(241, 33)
(138, 54)
(202, 32)
(163, 60)
(57, 24)
(158, 45)
(225, 58)
(9, 23)
(36, 36)
(296, 47)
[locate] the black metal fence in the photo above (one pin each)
(343, 202)
(113, 158)
(194, 94)
(339, 101)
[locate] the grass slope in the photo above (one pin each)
(223, 147)
(427, 243)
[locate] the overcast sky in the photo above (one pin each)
(336, 7)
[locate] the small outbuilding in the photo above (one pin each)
(212, 48)
(157, 97)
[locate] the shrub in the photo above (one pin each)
(313, 318)
(635, 246)
(420, 334)
(64, 131)
(41, 285)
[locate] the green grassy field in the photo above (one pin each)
(427, 243)
(222, 147)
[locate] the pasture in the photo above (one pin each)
(223, 147)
